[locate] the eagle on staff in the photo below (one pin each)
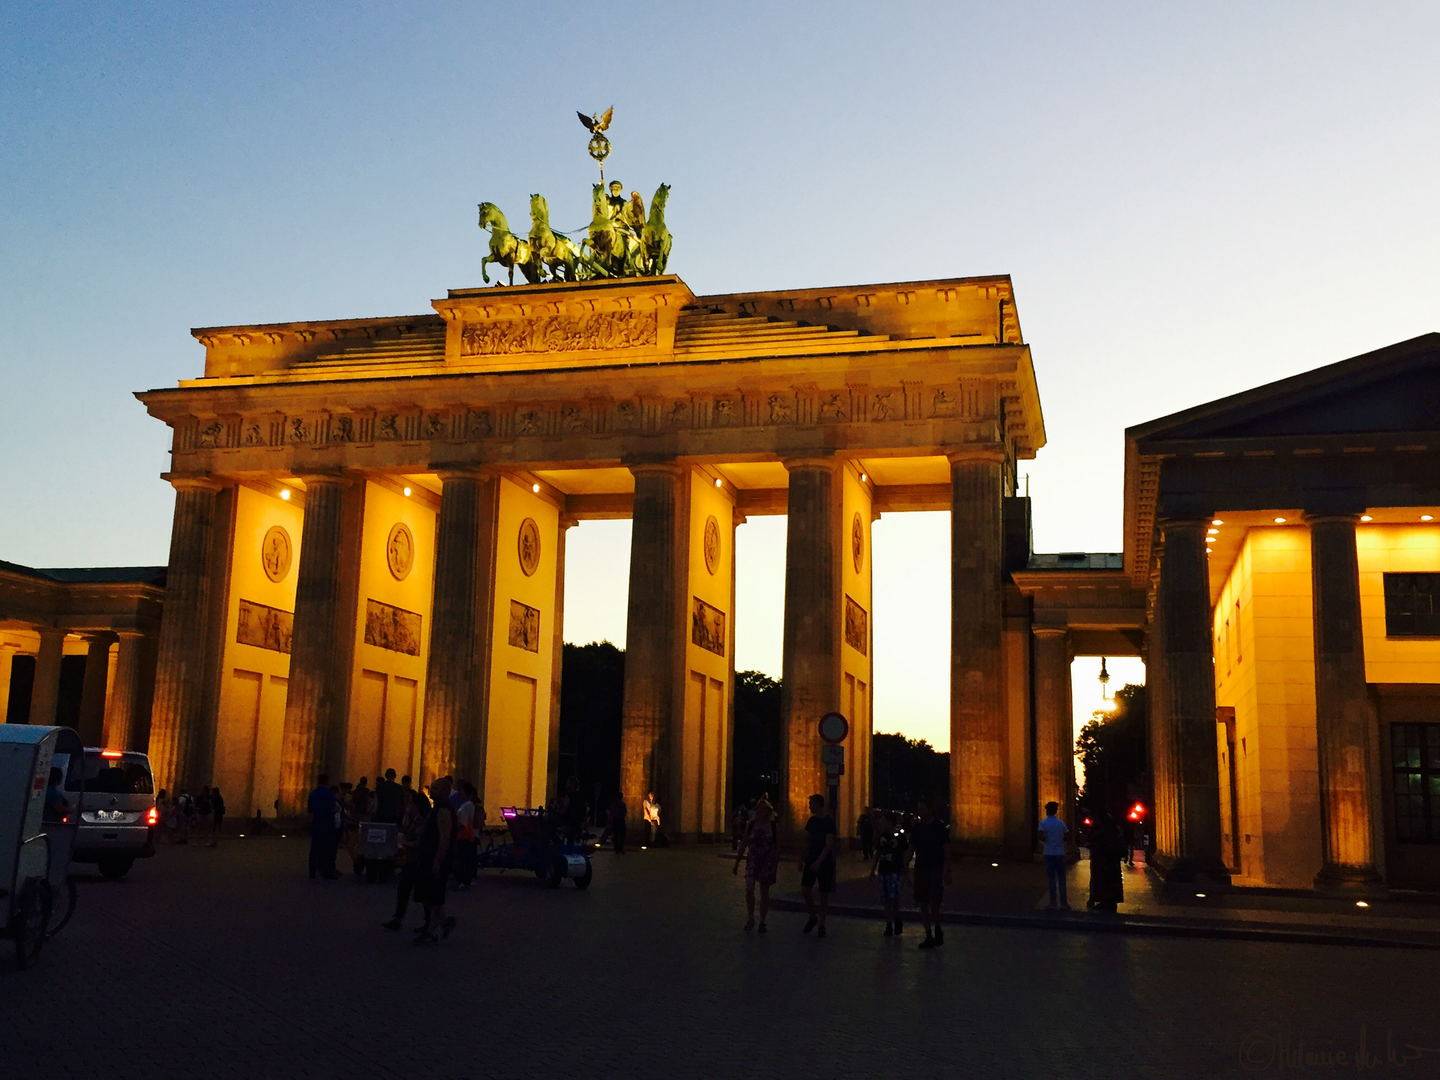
(622, 240)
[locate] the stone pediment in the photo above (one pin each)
(1392, 390)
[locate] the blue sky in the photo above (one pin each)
(1191, 199)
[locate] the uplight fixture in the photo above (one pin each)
(1361, 903)
(1366, 517)
(285, 494)
(1199, 896)
(535, 488)
(407, 492)
(1279, 521)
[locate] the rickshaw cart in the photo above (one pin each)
(34, 853)
(535, 845)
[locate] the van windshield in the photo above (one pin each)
(125, 775)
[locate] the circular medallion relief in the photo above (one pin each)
(857, 542)
(528, 545)
(400, 551)
(712, 543)
(275, 552)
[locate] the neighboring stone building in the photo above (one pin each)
(77, 647)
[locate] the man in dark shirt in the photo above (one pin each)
(929, 838)
(818, 866)
(324, 833)
(892, 852)
(389, 799)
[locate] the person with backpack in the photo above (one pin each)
(892, 852)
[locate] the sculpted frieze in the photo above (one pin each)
(561, 333)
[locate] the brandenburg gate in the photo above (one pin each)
(368, 557)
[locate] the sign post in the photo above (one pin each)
(833, 730)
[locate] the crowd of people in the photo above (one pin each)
(201, 815)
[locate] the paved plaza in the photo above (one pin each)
(229, 963)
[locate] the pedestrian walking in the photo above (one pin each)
(324, 830)
(739, 822)
(436, 856)
(203, 815)
(184, 815)
(217, 815)
(892, 853)
(865, 827)
(817, 868)
(615, 824)
(760, 849)
(417, 812)
(1107, 851)
(651, 809)
(1053, 832)
(930, 837)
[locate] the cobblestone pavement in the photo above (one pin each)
(228, 963)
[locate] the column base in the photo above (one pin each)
(1357, 881)
(1174, 870)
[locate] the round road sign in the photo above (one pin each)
(834, 727)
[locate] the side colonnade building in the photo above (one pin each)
(368, 555)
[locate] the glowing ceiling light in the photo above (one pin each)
(1366, 517)
(864, 478)
(1426, 517)
(1211, 532)
(535, 488)
(285, 494)
(1361, 903)
(407, 492)
(1217, 521)
(1279, 521)
(1200, 896)
(719, 482)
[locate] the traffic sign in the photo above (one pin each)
(834, 769)
(834, 727)
(832, 755)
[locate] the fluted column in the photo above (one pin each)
(654, 638)
(455, 729)
(121, 711)
(977, 703)
(7, 663)
(321, 643)
(1054, 758)
(45, 694)
(180, 667)
(91, 722)
(813, 598)
(1191, 839)
(557, 663)
(1343, 712)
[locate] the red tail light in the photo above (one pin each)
(112, 753)
(153, 818)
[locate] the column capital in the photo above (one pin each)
(829, 464)
(980, 453)
(52, 632)
(1050, 631)
(465, 472)
(97, 636)
(1181, 522)
(336, 478)
(666, 466)
(192, 483)
(1332, 519)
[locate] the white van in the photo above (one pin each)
(117, 810)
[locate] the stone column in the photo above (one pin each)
(180, 667)
(1188, 707)
(654, 638)
(1343, 712)
(321, 643)
(122, 711)
(557, 662)
(454, 737)
(7, 662)
(1054, 758)
(977, 705)
(813, 598)
(91, 723)
(45, 694)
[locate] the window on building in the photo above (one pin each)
(1412, 605)
(1415, 759)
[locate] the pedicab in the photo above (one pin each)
(535, 844)
(35, 882)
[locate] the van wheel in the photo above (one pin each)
(583, 881)
(114, 868)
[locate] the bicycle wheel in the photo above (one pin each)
(32, 918)
(62, 906)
